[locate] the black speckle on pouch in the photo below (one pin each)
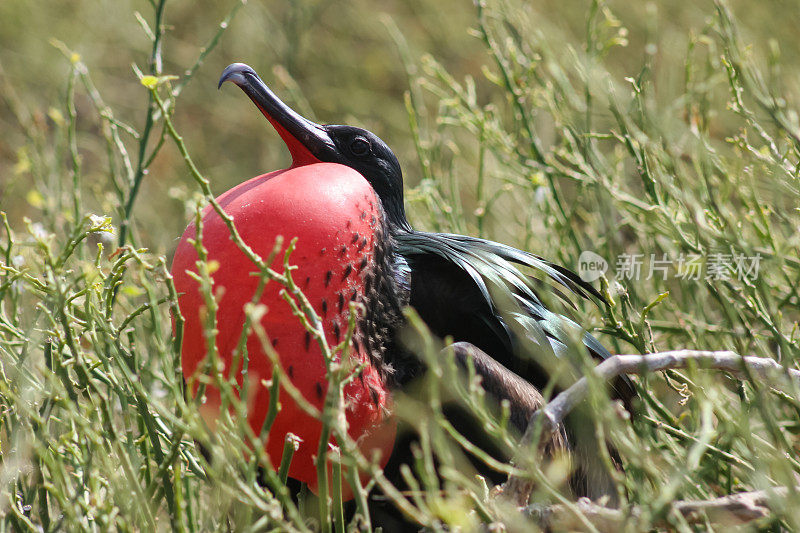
(337, 331)
(319, 390)
(328, 276)
(290, 371)
(362, 244)
(308, 340)
(340, 302)
(375, 397)
(324, 307)
(347, 270)
(356, 236)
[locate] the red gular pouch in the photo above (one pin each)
(335, 216)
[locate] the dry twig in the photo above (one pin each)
(545, 421)
(733, 509)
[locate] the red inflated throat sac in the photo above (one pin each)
(334, 214)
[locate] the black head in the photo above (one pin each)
(366, 153)
(309, 143)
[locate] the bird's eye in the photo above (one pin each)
(359, 146)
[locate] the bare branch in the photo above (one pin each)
(734, 509)
(545, 421)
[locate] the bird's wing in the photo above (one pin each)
(557, 273)
(500, 383)
(475, 291)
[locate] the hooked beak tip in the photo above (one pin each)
(306, 140)
(235, 73)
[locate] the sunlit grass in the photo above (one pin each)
(626, 141)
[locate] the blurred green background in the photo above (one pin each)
(339, 54)
(335, 58)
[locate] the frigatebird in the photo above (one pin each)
(484, 295)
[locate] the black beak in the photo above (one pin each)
(307, 141)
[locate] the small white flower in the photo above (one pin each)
(102, 232)
(38, 231)
(98, 221)
(541, 195)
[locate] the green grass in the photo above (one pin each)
(567, 127)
